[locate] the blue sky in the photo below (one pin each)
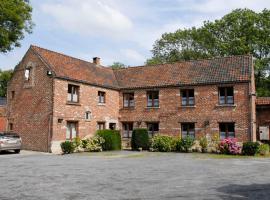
(116, 30)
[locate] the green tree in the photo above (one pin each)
(15, 20)
(5, 76)
(118, 65)
(242, 31)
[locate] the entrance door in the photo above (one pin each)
(71, 130)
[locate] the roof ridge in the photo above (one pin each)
(35, 46)
(185, 61)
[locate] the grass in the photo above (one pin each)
(224, 156)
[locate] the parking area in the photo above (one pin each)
(131, 176)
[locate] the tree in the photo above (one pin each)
(118, 65)
(240, 32)
(15, 20)
(5, 76)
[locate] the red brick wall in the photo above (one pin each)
(3, 118)
(31, 107)
(88, 101)
(171, 113)
(263, 117)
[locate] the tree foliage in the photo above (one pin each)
(5, 76)
(240, 32)
(15, 20)
(118, 65)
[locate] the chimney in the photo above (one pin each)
(96, 60)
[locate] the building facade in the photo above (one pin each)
(53, 97)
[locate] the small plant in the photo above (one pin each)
(250, 148)
(264, 149)
(94, 144)
(184, 144)
(204, 144)
(140, 139)
(163, 143)
(84, 143)
(77, 142)
(67, 147)
(229, 146)
(112, 139)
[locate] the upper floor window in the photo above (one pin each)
(128, 99)
(101, 97)
(73, 93)
(27, 74)
(188, 129)
(88, 115)
(226, 130)
(152, 98)
(226, 95)
(187, 97)
(153, 128)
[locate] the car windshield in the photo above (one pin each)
(14, 135)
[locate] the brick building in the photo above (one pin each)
(263, 114)
(3, 119)
(53, 97)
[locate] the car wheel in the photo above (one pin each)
(17, 151)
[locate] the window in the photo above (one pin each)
(73, 93)
(10, 126)
(88, 115)
(226, 130)
(101, 97)
(187, 97)
(226, 95)
(152, 99)
(112, 126)
(128, 100)
(12, 94)
(27, 74)
(153, 129)
(127, 129)
(72, 130)
(188, 129)
(101, 125)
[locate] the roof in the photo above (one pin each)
(3, 101)
(260, 101)
(195, 72)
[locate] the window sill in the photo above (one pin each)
(152, 107)
(73, 103)
(226, 105)
(187, 106)
(128, 108)
(101, 104)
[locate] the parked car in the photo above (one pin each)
(10, 141)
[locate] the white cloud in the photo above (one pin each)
(132, 56)
(88, 17)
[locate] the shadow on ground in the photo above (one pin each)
(253, 191)
(6, 152)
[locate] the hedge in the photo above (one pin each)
(140, 139)
(250, 148)
(112, 139)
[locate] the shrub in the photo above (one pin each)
(94, 144)
(77, 142)
(84, 143)
(264, 149)
(250, 148)
(163, 143)
(229, 146)
(112, 139)
(67, 147)
(184, 144)
(140, 139)
(203, 143)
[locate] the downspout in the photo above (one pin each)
(252, 103)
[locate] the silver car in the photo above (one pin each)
(10, 141)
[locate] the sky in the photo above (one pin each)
(116, 30)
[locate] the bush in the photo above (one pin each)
(163, 143)
(84, 143)
(112, 139)
(229, 146)
(140, 139)
(203, 144)
(94, 144)
(264, 149)
(250, 148)
(67, 147)
(77, 142)
(184, 144)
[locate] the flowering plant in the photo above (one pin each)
(229, 146)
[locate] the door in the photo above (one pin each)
(72, 131)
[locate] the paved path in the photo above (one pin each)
(131, 176)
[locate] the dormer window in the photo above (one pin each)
(27, 74)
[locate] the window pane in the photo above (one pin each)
(184, 134)
(221, 91)
(125, 103)
(149, 103)
(75, 98)
(69, 97)
(131, 103)
(191, 100)
(222, 127)
(184, 127)
(191, 93)
(184, 101)
(192, 133)
(231, 127)
(156, 127)
(231, 135)
(222, 99)
(222, 135)
(156, 102)
(184, 93)
(230, 99)
(155, 95)
(229, 91)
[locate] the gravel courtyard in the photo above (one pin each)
(131, 176)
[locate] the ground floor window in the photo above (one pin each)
(153, 128)
(127, 129)
(112, 126)
(188, 129)
(72, 130)
(10, 126)
(101, 125)
(226, 130)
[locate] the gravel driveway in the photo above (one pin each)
(131, 176)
